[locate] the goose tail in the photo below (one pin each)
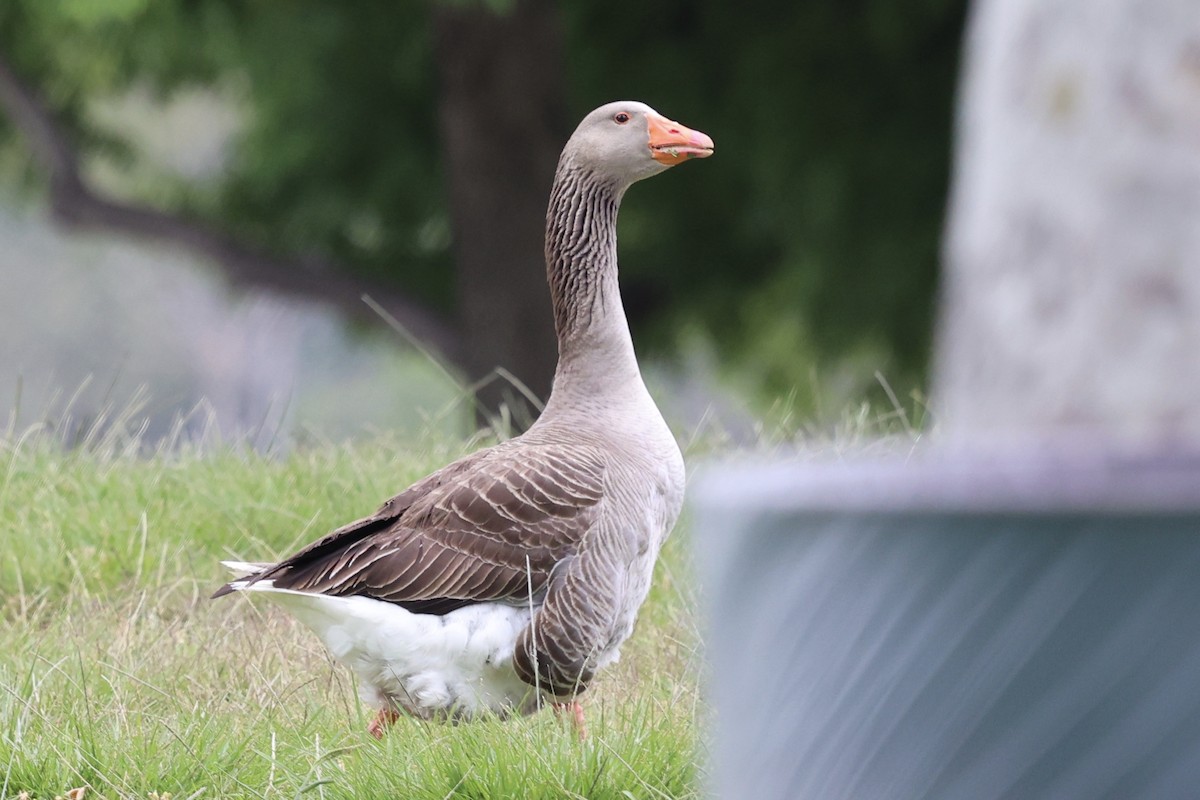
(245, 572)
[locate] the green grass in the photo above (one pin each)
(118, 674)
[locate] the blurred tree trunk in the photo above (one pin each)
(1071, 301)
(502, 107)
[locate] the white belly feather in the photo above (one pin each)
(458, 664)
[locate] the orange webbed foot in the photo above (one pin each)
(383, 720)
(576, 711)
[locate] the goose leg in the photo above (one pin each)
(384, 719)
(576, 711)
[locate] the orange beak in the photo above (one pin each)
(672, 143)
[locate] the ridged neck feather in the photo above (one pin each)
(594, 347)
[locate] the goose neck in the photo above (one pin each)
(581, 262)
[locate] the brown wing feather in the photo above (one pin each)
(482, 528)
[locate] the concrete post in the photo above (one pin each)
(1071, 292)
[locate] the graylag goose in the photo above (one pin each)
(508, 578)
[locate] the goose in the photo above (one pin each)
(504, 581)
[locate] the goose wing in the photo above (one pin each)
(491, 526)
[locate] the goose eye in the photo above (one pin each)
(620, 118)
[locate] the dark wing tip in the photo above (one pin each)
(436, 606)
(224, 590)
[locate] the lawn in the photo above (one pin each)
(118, 674)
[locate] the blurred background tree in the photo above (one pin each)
(405, 150)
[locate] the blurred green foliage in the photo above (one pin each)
(809, 243)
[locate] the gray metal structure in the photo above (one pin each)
(1024, 627)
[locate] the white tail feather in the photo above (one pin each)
(244, 569)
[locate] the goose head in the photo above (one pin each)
(627, 141)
